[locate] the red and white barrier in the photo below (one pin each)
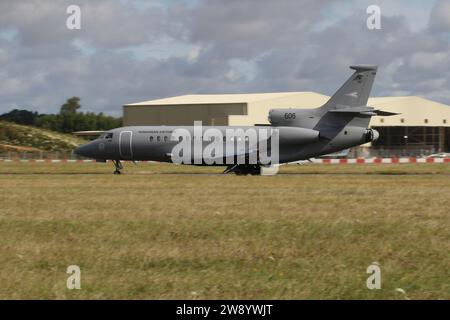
(317, 161)
(47, 160)
(381, 160)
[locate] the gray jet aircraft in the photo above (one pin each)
(341, 123)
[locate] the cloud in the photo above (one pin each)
(243, 29)
(440, 17)
(104, 24)
(134, 50)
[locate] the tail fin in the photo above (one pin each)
(356, 90)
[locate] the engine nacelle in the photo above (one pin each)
(293, 117)
(371, 135)
(297, 136)
(282, 116)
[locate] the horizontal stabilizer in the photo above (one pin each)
(364, 67)
(385, 113)
(352, 110)
(368, 111)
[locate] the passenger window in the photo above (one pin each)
(180, 138)
(165, 138)
(109, 135)
(158, 138)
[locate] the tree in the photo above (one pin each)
(68, 119)
(20, 116)
(68, 114)
(70, 107)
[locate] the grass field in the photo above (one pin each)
(178, 232)
(16, 137)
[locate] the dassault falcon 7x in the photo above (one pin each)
(292, 135)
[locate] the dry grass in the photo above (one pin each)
(153, 234)
(17, 137)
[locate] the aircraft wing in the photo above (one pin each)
(227, 155)
(342, 153)
(232, 155)
(88, 133)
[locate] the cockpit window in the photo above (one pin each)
(106, 135)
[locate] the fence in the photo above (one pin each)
(40, 155)
(56, 157)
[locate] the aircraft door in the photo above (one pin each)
(125, 144)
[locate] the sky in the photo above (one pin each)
(134, 50)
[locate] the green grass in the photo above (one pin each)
(180, 232)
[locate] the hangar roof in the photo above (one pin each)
(414, 111)
(219, 98)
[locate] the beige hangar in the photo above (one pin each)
(422, 126)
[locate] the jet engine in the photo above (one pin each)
(371, 135)
(297, 136)
(281, 116)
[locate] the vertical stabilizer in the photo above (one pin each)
(356, 90)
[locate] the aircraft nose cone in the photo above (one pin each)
(85, 150)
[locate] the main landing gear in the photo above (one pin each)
(118, 166)
(244, 169)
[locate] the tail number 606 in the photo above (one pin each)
(289, 115)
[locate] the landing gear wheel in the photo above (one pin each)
(255, 170)
(118, 166)
(243, 170)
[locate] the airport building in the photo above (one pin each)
(422, 126)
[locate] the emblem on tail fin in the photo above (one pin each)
(353, 94)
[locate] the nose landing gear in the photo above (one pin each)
(118, 166)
